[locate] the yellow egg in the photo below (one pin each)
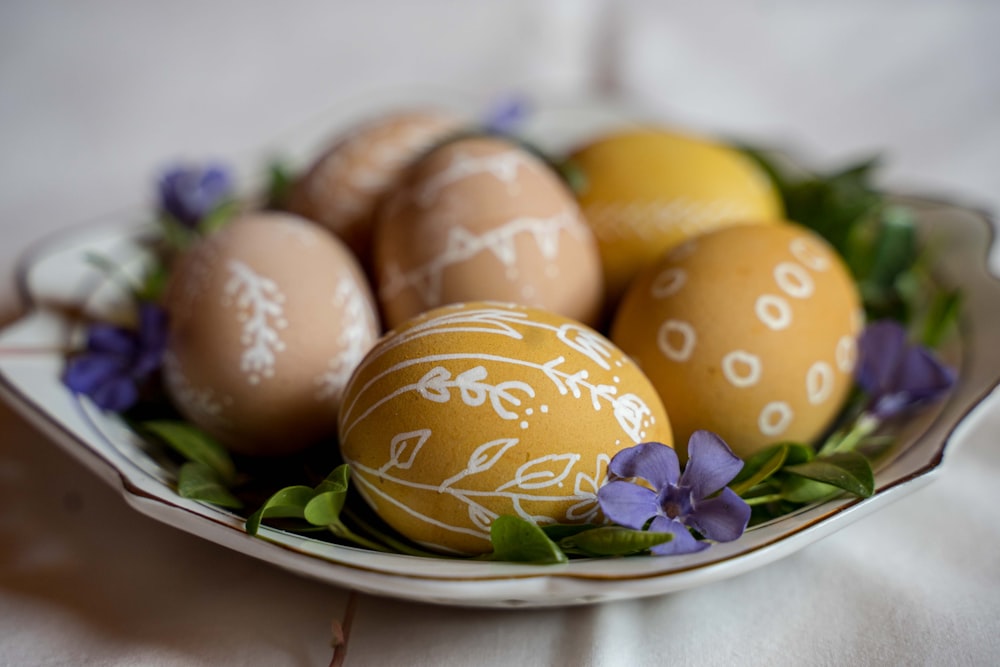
(342, 187)
(647, 190)
(482, 219)
(747, 331)
(268, 318)
(477, 410)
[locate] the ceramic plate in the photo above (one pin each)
(58, 282)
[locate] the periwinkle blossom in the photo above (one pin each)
(117, 360)
(189, 194)
(896, 375)
(674, 502)
(506, 115)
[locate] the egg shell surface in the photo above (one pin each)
(342, 187)
(747, 331)
(477, 410)
(648, 189)
(268, 318)
(483, 219)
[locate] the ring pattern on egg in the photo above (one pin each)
(804, 249)
(741, 368)
(671, 330)
(819, 382)
(846, 354)
(775, 418)
(773, 311)
(668, 283)
(794, 280)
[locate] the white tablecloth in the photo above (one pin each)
(95, 96)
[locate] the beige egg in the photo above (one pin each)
(342, 187)
(268, 318)
(482, 219)
(749, 332)
(477, 410)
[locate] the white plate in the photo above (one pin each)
(57, 280)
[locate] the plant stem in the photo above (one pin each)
(763, 500)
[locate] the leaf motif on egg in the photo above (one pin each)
(515, 411)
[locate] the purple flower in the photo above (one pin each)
(896, 375)
(506, 115)
(188, 194)
(116, 360)
(677, 501)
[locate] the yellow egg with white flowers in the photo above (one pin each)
(646, 190)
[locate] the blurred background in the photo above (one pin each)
(96, 97)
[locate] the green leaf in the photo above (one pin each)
(289, 502)
(941, 318)
(219, 217)
(558, 531)
(849, 471)
(516, 540)
(175, 233)
(614, 541)
(279, 188)
(198, 481)
(324, 508)
(801, 490)
(759, 467)
(337, 480)
(192, 444)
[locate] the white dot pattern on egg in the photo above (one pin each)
(476, 410)
(749, 332)
(268, 318)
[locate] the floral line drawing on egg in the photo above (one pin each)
(354, 337)
(463, 245)
(630, 411)
(437, 383)
(199, 399)
(259, 302)
(526, 485)
(616, 220)
(502, 166)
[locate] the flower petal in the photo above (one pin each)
(627, 504)
(86, 373)
(152, 339)
(711, 464)
(880, 349)
(652, 461)
(118, 394)
(103, 337)
(722, 518)
(683, 542)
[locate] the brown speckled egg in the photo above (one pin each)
(342, 187)
(268, 318)
(748, 331)
(480, 218)
(477, 410)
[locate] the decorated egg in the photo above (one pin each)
(268, 318)
(748, 331)
(480, 218)
(478, 410)
(342, 187)
(646, 190)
